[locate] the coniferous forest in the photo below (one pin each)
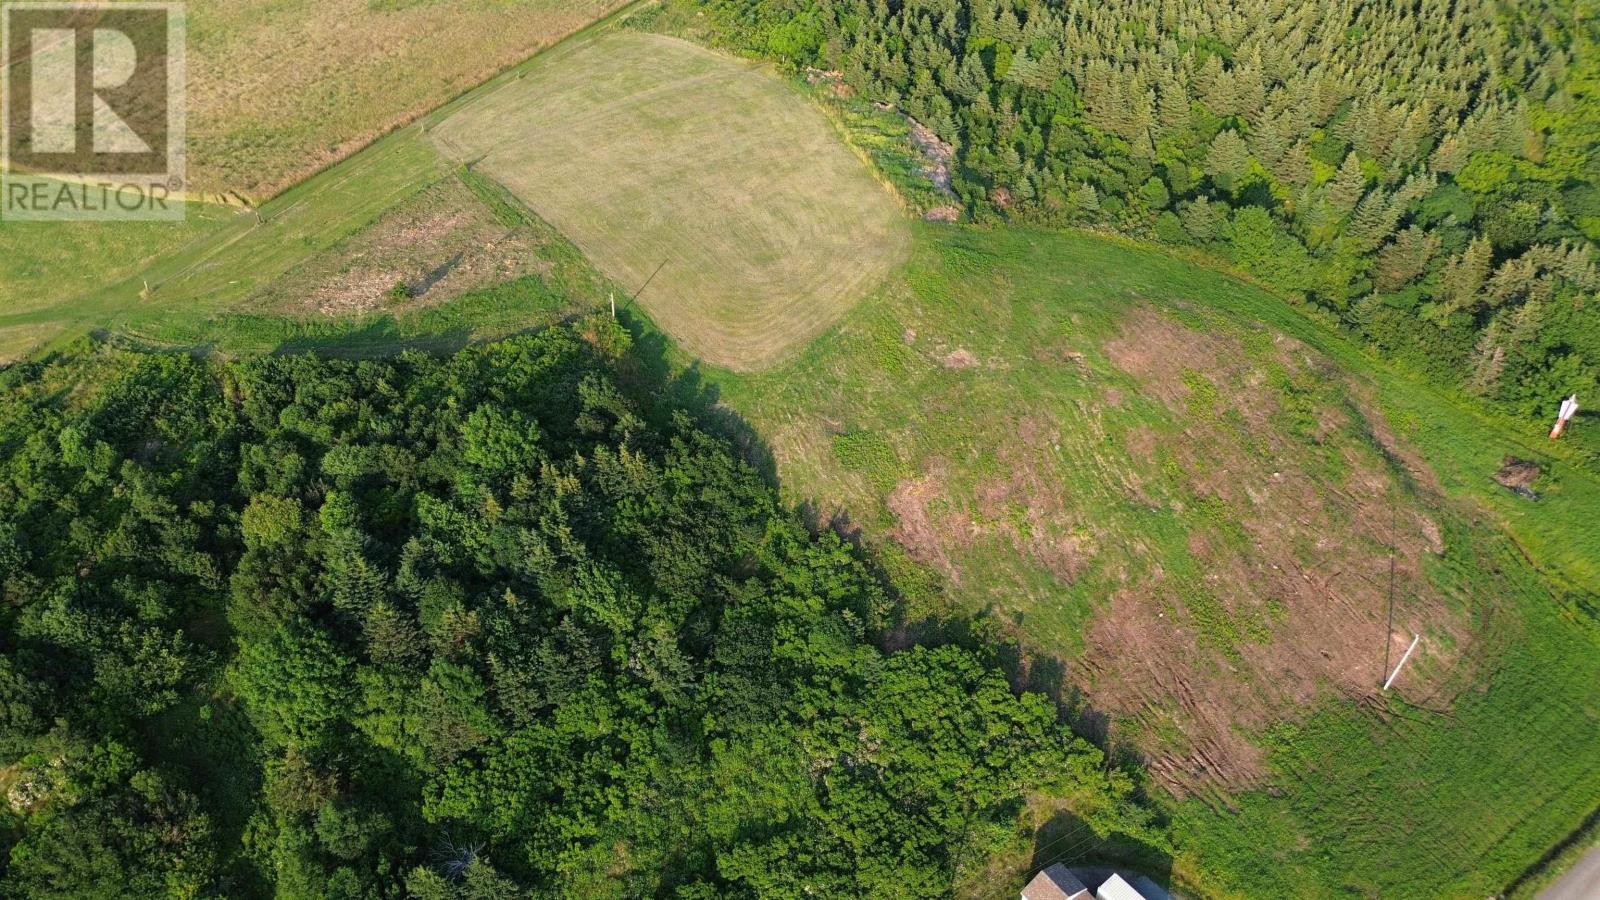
(469, 627)
(1428, 173)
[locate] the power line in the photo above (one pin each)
(1394, 531)
(646, 283)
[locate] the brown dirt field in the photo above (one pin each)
(1299, 597)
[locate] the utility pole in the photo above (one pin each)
(1414, 641)
(613, 304)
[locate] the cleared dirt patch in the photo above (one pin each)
(703, 182)
(959, 359)
(923, 521)
(435, 246)
(1299, 519)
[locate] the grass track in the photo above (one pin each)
(660, 158)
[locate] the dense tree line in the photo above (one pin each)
(1427, 171)
(480, 626)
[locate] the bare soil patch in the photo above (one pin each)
(436, 246)
(959, 359)
(939, 155)
(926, 527)
(1287, 596)
(1518, 476)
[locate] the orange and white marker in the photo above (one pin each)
(1569, 408)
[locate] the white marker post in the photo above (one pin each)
(1402, 665)
(1569, 408)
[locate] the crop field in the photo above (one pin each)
(710, 188)
(280, 90)
(1173, 483)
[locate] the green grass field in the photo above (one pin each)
(214, 259)
(711, 185)
(1094, 443)
(43, 262)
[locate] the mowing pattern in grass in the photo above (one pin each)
(1053, 420)
(712, 185)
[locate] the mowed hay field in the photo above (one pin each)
(706, 181)
(280, 89)
(1182, 498)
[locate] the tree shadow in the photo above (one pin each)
(993, 638)
(649, 374)
(436, 275)
(378, 337)
(1073, 842)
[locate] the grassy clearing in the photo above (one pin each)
(992, 412)
(277, 92)
(42, 263)
(455, 289)
(709, 183)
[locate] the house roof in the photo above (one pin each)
(1115, 888)
(1055, 883)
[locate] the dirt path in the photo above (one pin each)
(1582, 881)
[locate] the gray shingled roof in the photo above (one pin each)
(1055, 883)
